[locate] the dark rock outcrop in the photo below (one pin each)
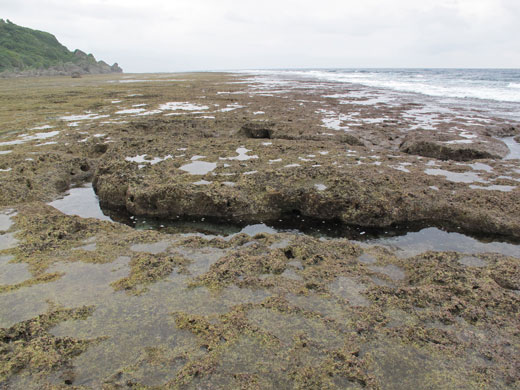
(288, 178)
(260, 129)
(503, 131)
(427, 144)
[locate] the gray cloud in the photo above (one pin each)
(230, 34)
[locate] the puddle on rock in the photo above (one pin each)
(153, 248)
(88, 247)
(495, 187)
(81, 284)
(6, 219)
(324, 306)
(433, 239)
(134, 323)
(367, 259)
(286, 327)
(242, 155)
(397, 366)
(392, 271)
(349, 289)
(472, 261)
(8, 241)
(12, 273)
(248, 356)
(128, 325)
(296, 264)
(201, 258)
(280, 244)
(514, 148)
(198, 167)
(291, 274)
(456, 177)
(81, 201)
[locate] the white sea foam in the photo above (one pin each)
(465, 88)
(479, 84)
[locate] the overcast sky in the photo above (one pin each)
(180, 35)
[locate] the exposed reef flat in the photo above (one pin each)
(90, 303)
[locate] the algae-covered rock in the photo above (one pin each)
(441, 147)
(28, 349)
(264, 189)
(195, 304)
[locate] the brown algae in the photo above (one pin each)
(89, 303)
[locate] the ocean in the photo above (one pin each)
(495, 92)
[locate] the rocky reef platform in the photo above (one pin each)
(189, 231)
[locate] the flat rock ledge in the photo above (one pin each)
(371, 193)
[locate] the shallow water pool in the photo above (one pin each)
(408, 240)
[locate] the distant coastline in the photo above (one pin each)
(25, 52)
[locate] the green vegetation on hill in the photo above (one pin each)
(22, 48)
(25, 51)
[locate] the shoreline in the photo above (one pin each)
(261, 308)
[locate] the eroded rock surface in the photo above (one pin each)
(90, 303)
(285, 177)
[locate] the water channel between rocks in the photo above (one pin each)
(408, 241)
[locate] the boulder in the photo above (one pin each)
(428, 144)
